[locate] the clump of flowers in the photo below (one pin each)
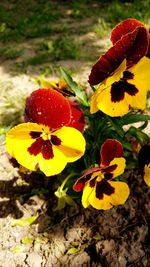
(64, 130)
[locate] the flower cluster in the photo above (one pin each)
(55, 131)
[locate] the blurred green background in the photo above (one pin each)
(39, 32)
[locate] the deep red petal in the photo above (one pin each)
(79, 185)
(132, 46)
(77, 117)
(110, 149)
(48, 107)
(109, 169)
(148, 52)
(139, 47)
(123, 28)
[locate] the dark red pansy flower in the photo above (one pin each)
(48, 107)
(132, 47)
(77, 117)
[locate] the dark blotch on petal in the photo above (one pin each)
(108, 176)
(103, 187)
(35, 135)
(127, 75)
(41, 146)
(47, 150)
(118, 89)
(36, 147)
(55, 140)
(92, 182)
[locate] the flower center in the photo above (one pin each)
(43, 144)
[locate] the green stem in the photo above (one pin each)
(66, 180)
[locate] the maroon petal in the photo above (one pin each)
(139, 47)
(79, 185)
(110, 149)
(109, 169)
(48, 107)
(77, 117)
(123, 28)
(132, 47)
(148, 52)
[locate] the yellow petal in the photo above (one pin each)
(46, 83)
(121, 163)
(147, 174)
(110, 108)
(115, 77)
(93, 105)
(52, 166)
(141, 70)
(87, 190)
(121, 193)
(72, 143)
(100, 204)
(101, 99)
(108, 201)
(19, 137)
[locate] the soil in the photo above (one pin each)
(115, 238)
(74, 236)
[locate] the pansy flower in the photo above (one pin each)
(100, 190)
(144, 163)
(46, 141)
(77, 116)
(122, 74)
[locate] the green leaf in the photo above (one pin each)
(80, 94)
(133, 118)
(72, 251)
(24, 222)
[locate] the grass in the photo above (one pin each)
(10, 52)
(61, 23)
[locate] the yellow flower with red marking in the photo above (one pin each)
(46, 141)
(144, 163)
(100, 190)
(122, 73)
